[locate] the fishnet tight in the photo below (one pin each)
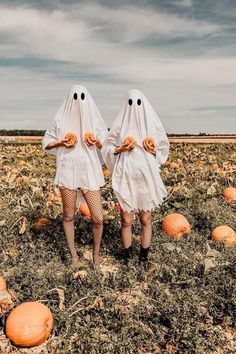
(93, 199)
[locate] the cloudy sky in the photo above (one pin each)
(180, 53)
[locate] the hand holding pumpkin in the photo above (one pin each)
(69, 140)
(149, 145)
(90, 139)
(128, 144)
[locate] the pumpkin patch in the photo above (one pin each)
(185, 301)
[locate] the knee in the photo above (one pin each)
(126, 223)
(146, 220)
(68, 217)
(97, 222)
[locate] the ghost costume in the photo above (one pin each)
(79, 166)
(135, 174)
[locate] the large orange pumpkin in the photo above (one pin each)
(224, 234)
(72, 138)
(84, 211)
(176, 225)
(29, 324)
(129, 140)
(230, 194)
(3, 285)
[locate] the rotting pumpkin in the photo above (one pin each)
(29, 324)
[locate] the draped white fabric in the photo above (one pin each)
(135, 174)
(80, 166)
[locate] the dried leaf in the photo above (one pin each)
(23, 225)
(2, 222)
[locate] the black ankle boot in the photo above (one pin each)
(127, 253)
(143, 255)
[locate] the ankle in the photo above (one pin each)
(143, 255)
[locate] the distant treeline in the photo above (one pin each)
(22, 132)
(28, 132)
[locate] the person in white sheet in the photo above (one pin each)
(78, 159)
(135, 162)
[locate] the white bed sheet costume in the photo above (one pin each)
(79, 167)
(135, 174)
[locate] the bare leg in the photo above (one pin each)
(127, 220)
(146, 222)
(94, 201)
(69, 201)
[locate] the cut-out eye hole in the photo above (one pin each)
(139, 102)
(82, 96)
(130, 102)
(75, 96)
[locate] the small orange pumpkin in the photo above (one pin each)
(174, 166)
(224, 234)
(84, 211)
(3, 285)
(21, 163)
(106, 172)
(230, 194)
(22, 181)
(90, 136)
(72, 138)
(214, 167)
(150, 142)
(29, 324)
(41, 223)
(176, 225)
(129, 140)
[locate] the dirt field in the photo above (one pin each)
(184, 304)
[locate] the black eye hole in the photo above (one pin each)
(82, 96)
(75, 96)
(139, 102)
(130, 102)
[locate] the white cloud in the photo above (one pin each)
(186, 3)
(73, 34)
(110, 43)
